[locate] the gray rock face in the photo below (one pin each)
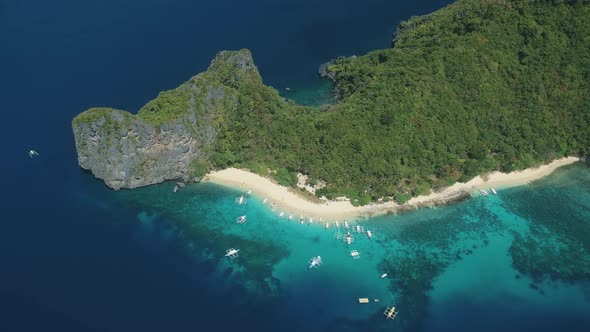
(130, 154)
(324, 72)
(167, 135)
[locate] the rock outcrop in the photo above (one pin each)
(168, 134)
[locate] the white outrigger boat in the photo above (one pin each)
(493, 191)
(327, 225)
(390, 313)
(232, 253)
(241, 219)
(369, 234)
(358, 229)
(355, 254)
(33, 153)
(249, 193)
(483, 192)
(281, 214)
(315, 262)
(348, 238)
(241, 200)
(337, 224)
(346, 224)
(383, 275)
(310, 220)
(290, 217)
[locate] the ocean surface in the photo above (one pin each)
(76, 256)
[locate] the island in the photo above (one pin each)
(474, 88)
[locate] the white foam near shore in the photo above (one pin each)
(289, 200)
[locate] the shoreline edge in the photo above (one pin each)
(289, 201)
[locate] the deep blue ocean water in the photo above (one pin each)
(76, 256)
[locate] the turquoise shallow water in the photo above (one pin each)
(522, 256)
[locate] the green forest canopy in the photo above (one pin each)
(477, 86)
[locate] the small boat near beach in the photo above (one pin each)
(348, 239)
(281, 214)
(315, 262)
(241, 219)
(384, 275)
(241, 200)
(327, 225)
(290, 217)
(390, 313)
(358, 229)
(369, 234)
(355, 254)
(483, 192)
(232, 253)
(249, 193)
(346, 224)
(493, 191)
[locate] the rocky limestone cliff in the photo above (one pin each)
(168, 134)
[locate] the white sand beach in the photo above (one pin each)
(291, 202)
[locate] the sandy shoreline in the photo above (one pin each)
(291, 202)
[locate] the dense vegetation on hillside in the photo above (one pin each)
(475, 87)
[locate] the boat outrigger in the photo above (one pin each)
(241, 200)
(232, 253)
(390, 313)
(33, 154)
(315, 262)
(241, 219)
(348, 239)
